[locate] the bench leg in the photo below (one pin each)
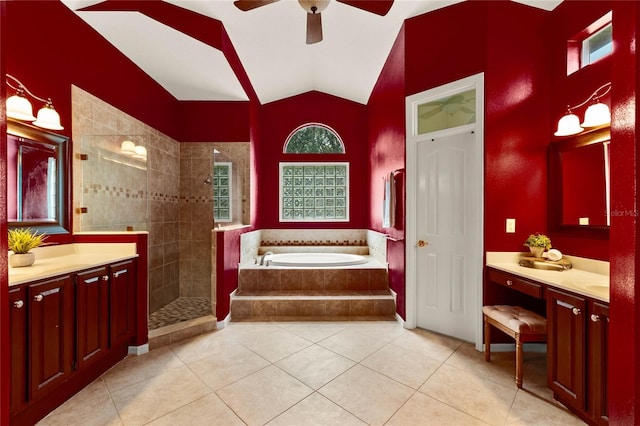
(519, 362)
(487, 340)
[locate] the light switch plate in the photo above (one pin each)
(511, 226)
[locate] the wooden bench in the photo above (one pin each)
(522, 325)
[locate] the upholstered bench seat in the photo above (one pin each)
(519, 323)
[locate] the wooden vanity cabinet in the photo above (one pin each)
(92, 338)
(566, 348)
(18, 339)
(123, 301)
(598, 336)
(65, 332)
(577, 353)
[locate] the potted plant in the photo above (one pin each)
(21, 241)
(538, 243)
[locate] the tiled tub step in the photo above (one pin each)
(313, 307)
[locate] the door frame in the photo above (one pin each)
(476, 82)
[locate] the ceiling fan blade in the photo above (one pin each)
(245, 5)
(379, 7)
(427, 115)
(314, 28)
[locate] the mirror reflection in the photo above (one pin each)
(579, 182)
(36, 185)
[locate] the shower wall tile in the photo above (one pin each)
(118, 194)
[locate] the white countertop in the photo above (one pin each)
(67, 258)
(588, 277)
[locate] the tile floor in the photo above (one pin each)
(322, 373)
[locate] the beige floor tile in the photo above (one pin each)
(353, 345)
(316, 410)
(276, 344)
(400, 364)
(135, 369)
(530, 410)
(423, 410)
(98, 411)
(315, 366)
(367, 394)
(96, 389)
(475, 395)
(204, 345)
(263, 395)
(224, 367)
(153, 398)
(431, 344)
(313, 331)
(501, 368)
(209, 410)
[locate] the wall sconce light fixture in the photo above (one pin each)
(597, 114)
(19, 107)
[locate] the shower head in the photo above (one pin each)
(208, 180)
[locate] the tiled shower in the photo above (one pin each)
(163, 194)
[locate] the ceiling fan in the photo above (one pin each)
(315, 7)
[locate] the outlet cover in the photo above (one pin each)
(511, 226)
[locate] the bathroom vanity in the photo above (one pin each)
(73, 316)
(576, 305)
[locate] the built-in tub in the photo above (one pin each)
(314, 260)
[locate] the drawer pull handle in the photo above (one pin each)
(509, 282)
(18, 304)
(576, 311)
(595, 318)
(38, 298)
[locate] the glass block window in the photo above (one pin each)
(314, 192)
(222, 186)
(314, 138)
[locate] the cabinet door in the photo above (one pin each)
(92, 293)
(598, 344)
(123, 279)
(51, 330)
(18, 339)
(566, 347)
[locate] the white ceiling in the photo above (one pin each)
(270, 42)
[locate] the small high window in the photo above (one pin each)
(590, 45)
(314, 138)
(597, 46)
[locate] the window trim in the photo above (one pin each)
(312, 163)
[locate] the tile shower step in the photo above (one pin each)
(312, 307)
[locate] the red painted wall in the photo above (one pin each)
(624, 350)
(567, 20)
(277, 120)
(387, 154)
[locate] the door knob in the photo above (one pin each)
(576, 311)
(38, 298)
(18, 304)
(422, 243)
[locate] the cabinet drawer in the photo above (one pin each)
(518, 284)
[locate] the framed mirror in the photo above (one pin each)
(37, 178)
(579, 184)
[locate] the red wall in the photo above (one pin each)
(387, 154)
(277, 120)
(567, 20)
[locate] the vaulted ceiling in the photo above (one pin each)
(269, 41)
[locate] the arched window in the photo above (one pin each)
(314, 138)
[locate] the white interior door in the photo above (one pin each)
(446, 222)
(444, 246)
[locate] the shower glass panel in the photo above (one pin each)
(114, 183)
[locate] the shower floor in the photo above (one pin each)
(181, 309)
